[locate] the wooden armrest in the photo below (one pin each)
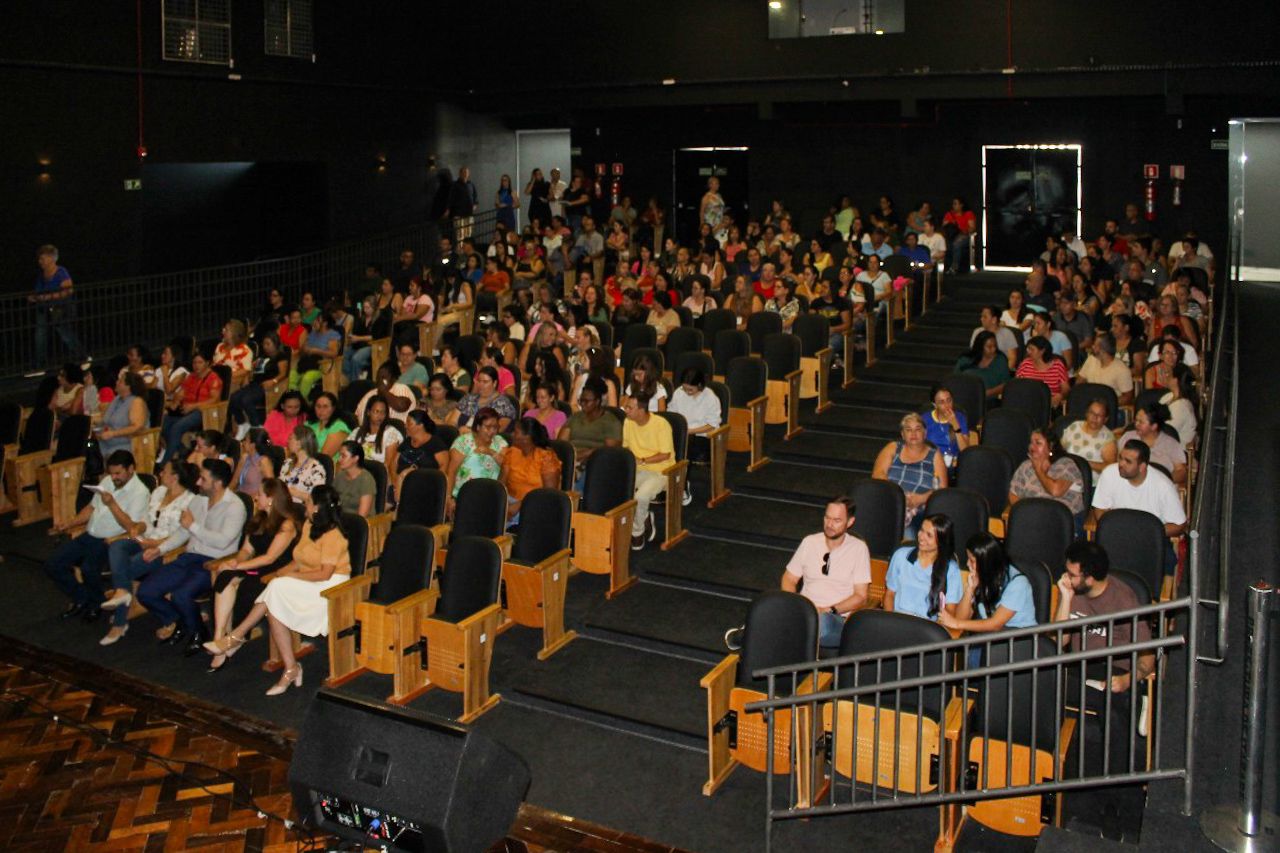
(550, 562)
(347, 587)
(793, 375)
(815, 685)
(1090, 526)
(822, 353)
(620, 509)
(170, 556)
(426, 597)
(674, 466)
(723, 429)
(727, 668)
(477, 618)
(214, 565)
(953, 718)
(757, 403)
(441, 533)
(207, 404)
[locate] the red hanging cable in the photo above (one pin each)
(142, 148)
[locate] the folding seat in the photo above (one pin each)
(814, 333)
(349, 398)
(967, 510)
(760, 325)
(988, 470)
(422, 498)
(380, 351)
(878, 519)
(1086, 478)
(470, 347)
(719, 441)
(680, 341)
(365, 613)
(782, 358)
(970, 396)
(60, 478)
(716, 321)
(898, 266)
(602, 524)
(727, 345)
(781, 629)
(677, 474)
(568, 460)
(452, 645)
(21, 469)
(1009, 430)
(537, 572)
(1040, 529)
(1080, 396)
(379, 520)
(637, 336)
(699, 360)
(479, 510)
(1029, 396)
(1135, 542)
(1044, 587)
(899, 735)
(747, 379)
(606, 335)
(1014, 741)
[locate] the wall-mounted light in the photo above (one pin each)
(775, 5)
(380, 164)
(42, 169)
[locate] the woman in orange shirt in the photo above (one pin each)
(528, 464)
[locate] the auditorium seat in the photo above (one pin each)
(602, 524)
(814, 333)
(781, 355)
(537, 572)
(880, 509)
(747, 379)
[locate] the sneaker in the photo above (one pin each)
(837, 363)
(650, 529)
(733, 639)
(242, 431)
(687, 497)
(637, 543)
(120, 599)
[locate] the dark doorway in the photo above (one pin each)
(691, 167)
(1030, 192)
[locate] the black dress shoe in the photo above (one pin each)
(90, 613)
(72, 610)
(195, 645)
(177, 638)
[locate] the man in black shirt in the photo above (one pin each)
(839, 313)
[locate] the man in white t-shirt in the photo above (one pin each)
(1102, 367)
(835, 566)
(934, 242)
(555, 197)
(1131, 484)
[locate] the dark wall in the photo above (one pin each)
(822, 151)
(72, 102)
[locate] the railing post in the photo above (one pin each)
(1248, 827)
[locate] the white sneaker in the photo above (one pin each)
(120, 599)
(113, 637)
(242, 431)
(686, 498)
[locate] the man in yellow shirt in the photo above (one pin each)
(648, 437)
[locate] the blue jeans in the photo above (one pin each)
(246, 405)
(174, 427)
(61, 318)
(127, 566)
(183, 581)
(90, 554)
(836, 342)
(958, 254)
(830, 627)
(356, 361)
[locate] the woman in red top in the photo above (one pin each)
(288, 415)
(1041, 364)
(292, 331)
(201, 386)
(965, 223)
(234, 352)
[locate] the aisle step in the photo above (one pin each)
(789, 481)
(926, 353)
(879, 422)
(925, 333)
(718, 563)
(891, 369)
(627, 683)
(832, 451)
(882, 393)
(770, 522)
(678, 616)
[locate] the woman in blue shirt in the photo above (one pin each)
(925, 580)
(945, 427)
(996, 595)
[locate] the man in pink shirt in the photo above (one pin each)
(832, 569)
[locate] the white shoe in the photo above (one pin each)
(120, 599)
(686, 498)
(112, 637)
(242, 431)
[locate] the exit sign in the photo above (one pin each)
(132, 184)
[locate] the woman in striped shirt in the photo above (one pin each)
(1048, 368)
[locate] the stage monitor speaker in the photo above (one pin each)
(401, 779)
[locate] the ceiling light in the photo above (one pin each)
(775, 4)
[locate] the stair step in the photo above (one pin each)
(857, 420)
(787, 481)
(839, 452)
(735, 566)
(777, 523)
(673, 615)
(890, 369)
(882, 393)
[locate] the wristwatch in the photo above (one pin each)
(832, 610)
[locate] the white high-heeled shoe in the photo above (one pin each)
(292, 676)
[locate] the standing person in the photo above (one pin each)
(54, 301)
(507, 201)
(648, 437)
(711, 209)
(960, 225)
(212, 526)
(463, 202)
(835, 567)
(538, 191)
(555, 195)
(119, 503)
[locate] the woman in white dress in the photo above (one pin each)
(292, 600)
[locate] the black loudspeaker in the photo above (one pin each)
(401, 779)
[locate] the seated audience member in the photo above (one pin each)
(1132, 484)
(287, 416)
(1007, 340)
(246, 405)
(148, 540)
(408, 370)
(396, 395)
(839, 313)
(1016, 317)
(201, 386)
(784, 302)
(369, 325)
(996, 595)
(1166, 314)
(1042, 365)
(1042, 326)
(700, 409)
(590, 427)
(139, 362)
(832, 569)
(441, 401)
(302, 471)
(210, 444)
(420, 448)
(877, 281)
(125, 416)
(743, 301)
(1172, 333)
(1068, 319)
(528, 464)
(211, 527)
(1168, 358)
(1130, 350)
(492, 356)
(924, 579)
(379, 436)
(234, 352)
(985, 361)
(268, 546)
(662, 317)
(768, 280)
(1038, 298)
(257, 462)
(876, 246)
(544, 409)
(323, 341)
(1085, 589)
(355, 486)
(1179, 400)
(1166, 451)
(1048, 473)
(330, 428)
(914, 464)
(485, 396)
(292, 332)
(475, 454)
(945, 426)
(1091, 439)
(1103, 368)
(647, 381)
(648, 437)
(292, 601)
(118, 504)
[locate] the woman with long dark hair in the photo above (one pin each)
(996, 595)
(985, 361)
(924, 579)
